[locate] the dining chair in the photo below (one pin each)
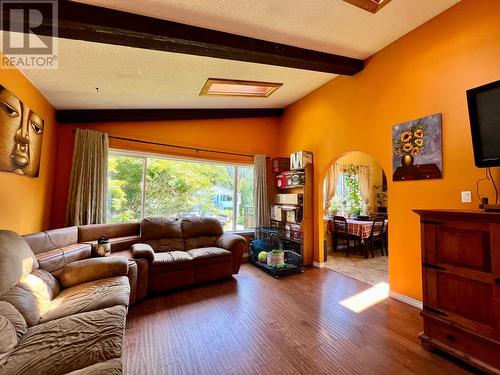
(341, 237)
(377, 236)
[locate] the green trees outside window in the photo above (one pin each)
(347, 200)
(141, 186)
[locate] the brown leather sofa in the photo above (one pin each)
(63, 311)
(121, 237)
(188, 251)
(60, 314)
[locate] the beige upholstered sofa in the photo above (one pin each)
(73, 323)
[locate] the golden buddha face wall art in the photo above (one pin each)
(21, 133)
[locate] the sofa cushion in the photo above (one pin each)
(10, 312)
(199, 242)
(170, 261)
(201, 226)
(16, 259)
(52, 239)
(109, 367)
(71, 343)
(154, 228)
(166, 244)
(210, 255)
(43, 286)
(8, 338)
(24, 302)
(88, 233)
(56, 259)
(90, 296)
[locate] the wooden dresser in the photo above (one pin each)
(461, 285)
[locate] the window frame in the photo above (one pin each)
(145, 155)
(343, 194)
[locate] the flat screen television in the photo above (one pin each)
(484, 114)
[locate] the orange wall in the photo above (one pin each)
(249, 136)
(425, 72)
(24, 201)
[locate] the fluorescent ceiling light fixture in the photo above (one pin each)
(230, 87)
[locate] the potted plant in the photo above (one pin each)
(381, 197)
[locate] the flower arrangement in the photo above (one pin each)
(411, 141)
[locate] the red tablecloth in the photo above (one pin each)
(361, 229)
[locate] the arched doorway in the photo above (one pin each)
(355, 188)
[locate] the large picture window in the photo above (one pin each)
(145, 185)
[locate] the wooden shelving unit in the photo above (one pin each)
(307, 222)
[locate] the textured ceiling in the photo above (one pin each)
(137, 78)
(324, 25)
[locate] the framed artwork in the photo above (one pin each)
(418, 149)
(21, 134)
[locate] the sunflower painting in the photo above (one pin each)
(417, 149)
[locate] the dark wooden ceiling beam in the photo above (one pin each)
(87, 116)
(96, 24)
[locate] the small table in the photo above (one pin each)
(362, 229)
(359, 228)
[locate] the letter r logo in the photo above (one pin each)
(28, 26)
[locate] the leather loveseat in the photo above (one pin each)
(183, 252)
(60, 314)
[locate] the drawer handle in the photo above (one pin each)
(451, 338)
(433, 266)
(434, 311)
(497, 281)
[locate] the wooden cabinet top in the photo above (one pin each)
(475, 215)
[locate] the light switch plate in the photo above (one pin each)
(466, 197)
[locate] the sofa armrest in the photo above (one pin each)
(235, 244)
(84, 271)
(142, 250)
(229, 241)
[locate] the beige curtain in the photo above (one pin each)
(364, 185)
(261, 204)
(88, 183)
(331, 179)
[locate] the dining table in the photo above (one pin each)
(362, 229)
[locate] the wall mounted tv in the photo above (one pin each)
(484, 114)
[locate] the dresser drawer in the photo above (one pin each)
(475, 347)
(458, 243)
(469, 302)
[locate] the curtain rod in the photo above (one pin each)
(181, 147)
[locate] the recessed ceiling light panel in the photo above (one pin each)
(230, 87)
(372, 6)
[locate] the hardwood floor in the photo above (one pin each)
(254, 324)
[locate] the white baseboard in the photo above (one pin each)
(408, 300)
(319, 264)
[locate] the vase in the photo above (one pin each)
(407, 160)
